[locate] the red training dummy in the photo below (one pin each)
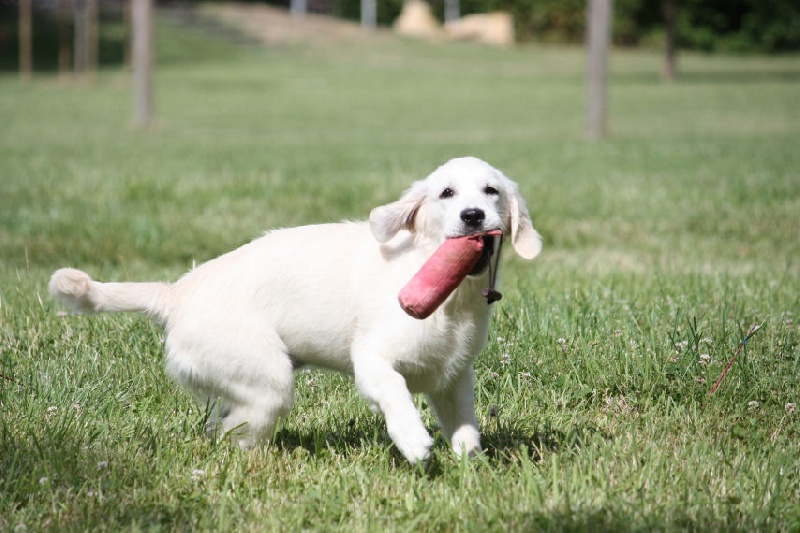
(441, 274)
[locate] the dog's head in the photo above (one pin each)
(462, 197)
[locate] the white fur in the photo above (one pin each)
(326, 295)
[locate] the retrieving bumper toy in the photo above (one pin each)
(444, 271)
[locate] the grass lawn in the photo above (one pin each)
(662, 245)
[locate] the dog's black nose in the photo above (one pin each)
(473, 217)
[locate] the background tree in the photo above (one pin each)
(142, 61)
(671, 44)
(25, 39)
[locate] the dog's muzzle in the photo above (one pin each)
(486, 256)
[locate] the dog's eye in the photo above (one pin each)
(447, 193)
(491, 191)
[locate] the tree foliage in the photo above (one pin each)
(765, 26)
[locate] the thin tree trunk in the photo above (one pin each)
(25, 40)
(91, 37)
(80, 41)
(599, 35)
(126, 22)
(64, 49)
(142, 56)
(670, 8)
(298, 8)
(452, 10)
(369, 14)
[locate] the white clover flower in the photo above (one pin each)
(43, 480)
(505, 359)
(790, 407)
(753, 404)
(102, 465)
(198, 474)
(704, 359)
(562, 343)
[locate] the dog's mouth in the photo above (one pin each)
(486, 256)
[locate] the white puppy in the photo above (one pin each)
(326, 295)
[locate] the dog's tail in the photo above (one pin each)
(77, 291)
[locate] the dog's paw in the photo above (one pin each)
(415, 444)
(466, 441)
(244, 442)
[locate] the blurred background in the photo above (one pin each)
(722, 26)
(356, 98)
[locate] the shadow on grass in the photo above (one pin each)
(501, 444)
(721, 77)
(347, 437)
(753, 77)
(504, 443)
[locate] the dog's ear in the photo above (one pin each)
(526, 241)
(386, 220)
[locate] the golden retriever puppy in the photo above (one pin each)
(326, 295)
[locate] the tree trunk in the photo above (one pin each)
(142, 58)
(599, 35)
(25, 40)
(369, 14)
(64, 49)
(298, 8)
(81, 27)
(127, 23)
(452, 10)
(670, 8)
(91, 37)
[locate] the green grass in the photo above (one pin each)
(662, 244)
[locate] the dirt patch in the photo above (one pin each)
(273, 25)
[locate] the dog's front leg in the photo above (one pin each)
(387, 392)
(455, 409)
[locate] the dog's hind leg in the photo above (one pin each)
(252, 424)
(246, 388)
(248, 423)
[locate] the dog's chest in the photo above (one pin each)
(433, 354)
